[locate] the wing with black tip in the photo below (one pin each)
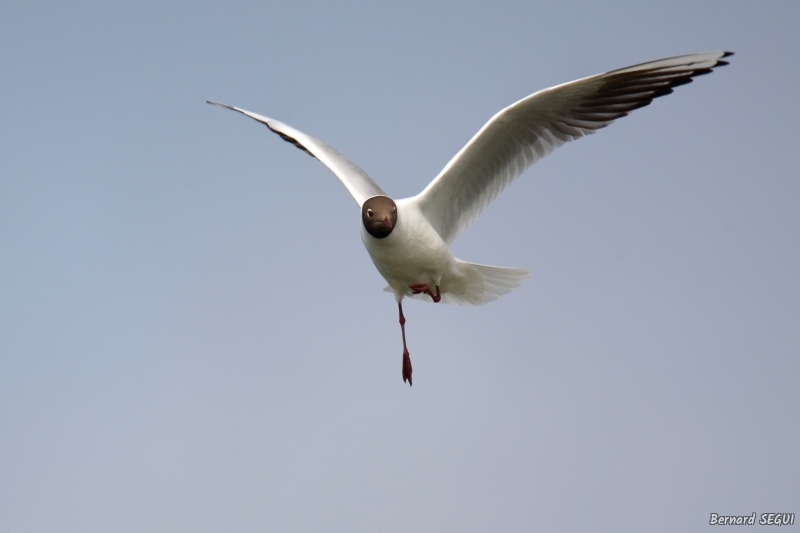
(523, 133)
(360, 185)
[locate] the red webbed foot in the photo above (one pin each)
(407, 368)
(420, 288)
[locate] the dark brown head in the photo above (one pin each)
(379, 215)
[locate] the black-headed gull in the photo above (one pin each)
(408, 239)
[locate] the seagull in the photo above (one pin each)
(409, 239)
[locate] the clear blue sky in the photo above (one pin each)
(192, 337)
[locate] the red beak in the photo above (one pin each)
(387, 222)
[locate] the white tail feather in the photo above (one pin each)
(477, 284)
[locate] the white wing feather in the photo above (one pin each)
(360, 185)
(523, 133)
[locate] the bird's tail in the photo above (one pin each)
(494, 282)
(478, 284)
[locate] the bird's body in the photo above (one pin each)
(415, 254)
(409, 239)
(412, 253)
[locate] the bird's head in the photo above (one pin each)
(379, 215)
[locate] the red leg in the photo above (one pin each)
(406, 358)
(419, 288)
(438, 297)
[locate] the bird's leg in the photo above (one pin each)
(406, 358)
(419, 288)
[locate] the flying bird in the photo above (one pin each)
(409, 239)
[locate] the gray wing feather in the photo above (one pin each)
(523, 133)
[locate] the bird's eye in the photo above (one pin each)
(394, 210)
(369, 213)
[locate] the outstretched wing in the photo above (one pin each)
(356, 180)
(523, 133)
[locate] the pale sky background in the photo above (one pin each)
(193, 339)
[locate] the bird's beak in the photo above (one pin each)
(387, 222)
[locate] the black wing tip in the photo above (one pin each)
(220, 104)
(720, 62)
(292, 140)
(703, 71)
